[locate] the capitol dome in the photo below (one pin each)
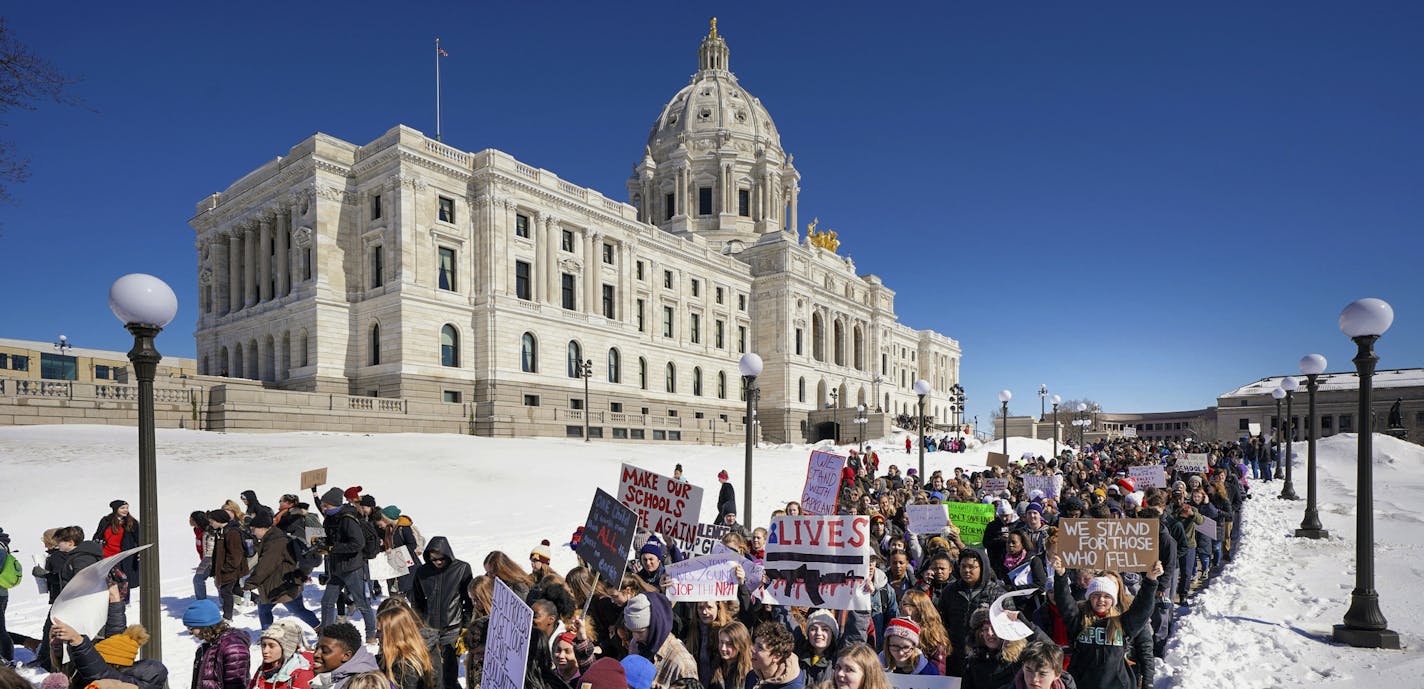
(713, 103)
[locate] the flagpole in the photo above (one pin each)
(437, 89)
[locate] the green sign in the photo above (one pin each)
(971, 518)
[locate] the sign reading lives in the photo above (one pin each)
(823, 481)
(507, 643)
(818, 561)
(664, 504)
(607, 535)
(1119, 545)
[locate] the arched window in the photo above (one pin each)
(839, 342)
(374, 348)
(238, 360)
(305, 350)
(642, 373)
(697, 381)
(575, 359)
(528, 353)
(671, 377)
(722, 385)
(615, 367)
(818, 338)
(801, 390)
(449, 346)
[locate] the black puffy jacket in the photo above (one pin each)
(441, 594)
(959, 600)
(345, 540)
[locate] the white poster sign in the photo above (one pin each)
(1207, 527)
(1005, 628)
(1052, 486)
(707, 536)
(1129, 432)
(664, 505)
(1195, 463)
(753, 569)
(899, 681)
(994, 486)
(84, 602)
(823, 481)
(927, 519)
(818, 561)
(706, 578)
(507, 643)
(1150, 476)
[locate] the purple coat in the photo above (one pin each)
(223, 664)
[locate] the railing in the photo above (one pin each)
(446, 151)
(573, 190)
(44, 388)
(527, 171)
(376, 404)
(612, 205)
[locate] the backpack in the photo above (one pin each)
(372, 547)
(249, 541)
(306, 557)
(11, 572)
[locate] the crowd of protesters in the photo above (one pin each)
(930, 592)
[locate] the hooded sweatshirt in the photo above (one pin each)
(1100, 653)
(959, 601)
(361, 661)
(441, 594)
(671, 659)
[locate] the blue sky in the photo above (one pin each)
(1139, 204)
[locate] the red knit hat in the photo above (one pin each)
(904, 628)
(353, 493)
(1127, 484)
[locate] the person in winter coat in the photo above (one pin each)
(229, 560)
(403, 655)
(818, 646)
(221, 662)
(994, 536)
(254, 506)
(340, 656)
(991, 662)
(1098, 635)
(276, 577)
(774, 665)
(858, 667)
(286, 662)
(400, 533)
(74, 554)
(346, 563)
(441, 597)
(975, 586)
(726, 495)
(1042, 668)
(902, 649)
(118, 532)
(7, 646)
(734, 653)
(934, 640)
(203, 543)
(648, 619)
(112, 658)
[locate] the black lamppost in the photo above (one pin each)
(1364, 321)
(1312, 365)
(63, 346)
(861, 420)
(1056, 401)
(1082, 424)
(922, 388)
(750, 367)
(1290, 385)
(835, 394)
(1004, 397)
(146, 305)
(585, 371)
(1279, 394)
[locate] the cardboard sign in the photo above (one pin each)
(1195, 463)
(823, 481)
(1209, 528)
(899, 681)
(997, 459)
(1253, 428)
(507, 643)
(707, 536)
(971, 518)
(706, 578)
(313, 478)
(927, 519)
(1119, 545)
(994, 486)
(1052, 486)
(607, 535)
(84, 602)
(665, 506)
(818, 561)
(1150, 476)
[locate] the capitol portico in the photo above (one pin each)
(408, 268)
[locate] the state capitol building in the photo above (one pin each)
(407, 268)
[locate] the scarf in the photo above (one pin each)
(1012, 561)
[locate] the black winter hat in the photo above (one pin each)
(220, 516)
(368, 501)
(261, 520)
(115, 505)
(333, 497)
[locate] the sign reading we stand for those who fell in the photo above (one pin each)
(818, 561)
(664, 505)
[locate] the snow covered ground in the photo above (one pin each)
(1265, 623)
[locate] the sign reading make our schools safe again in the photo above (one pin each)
(664, 505)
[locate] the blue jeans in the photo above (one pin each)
(200, 584)
(354, 584)
(1255, 470)
(296, 606)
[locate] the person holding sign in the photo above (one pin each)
(1098, 635)
(991, 661)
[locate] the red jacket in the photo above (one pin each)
(296, 673)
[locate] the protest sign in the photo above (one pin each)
(707, 535)
(507, 642)
(1208, 528)
(1119, 545)
(818, 561)
(313, 478)
(84, 602)
(971, 518)
(1253, 428)
(1195, 463)
(997, 459)
(606, 536)
(1129, 432)
(823, 480)
(994, 486)
(706, 578)
(665, 506)
(1005, 628)
(1150, 476)
(1050, 485)
(753, 570)
(927, 519)
(903, 681)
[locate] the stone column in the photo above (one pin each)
(538, 280)
(284, 254)
(795, 194)
(593, 260)
(249, 266)
(234, 271)
(264, 259)
(552, 278)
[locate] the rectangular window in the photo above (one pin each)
(704, 200)
(521, 225)
(696, 325)
(720, 293)
(659, 435)
(1325, 423)
(615, 407)
(1244, 425)
(4, 361)
(19, 363)
(741, 302)
(669, 206)
(573, 431)
(570, 300)
(608, 302)
(672, 412)
(452, 396)
(531, 400)
(721, 336)
(639, 271)
(642, 326)
(567, 241)
(375, 206)
(884, 364)
(595, 431)
(636, 433)
(58, 367)
(744, 203)
(575, 403)
(798, 341)
(741, 339)
(667, 321)
(378, 265)
(674, 435)
(447, 210)
(608, 254)
(620, 434)
(667, 279)
(696, 287)
(1347, 424)
(521, 280)
(306, 264)
(447, 268)
(102, 372)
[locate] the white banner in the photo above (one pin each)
(706, 578)
(663, 504)
(1195, 463)
(507, 643)
(1005, 628)
(927, 519)
(390, 564)
(84, 602)
(818, 561)
(1052, 486)
(1150, 476)
(823, 481)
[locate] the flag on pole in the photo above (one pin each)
(442, 52)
